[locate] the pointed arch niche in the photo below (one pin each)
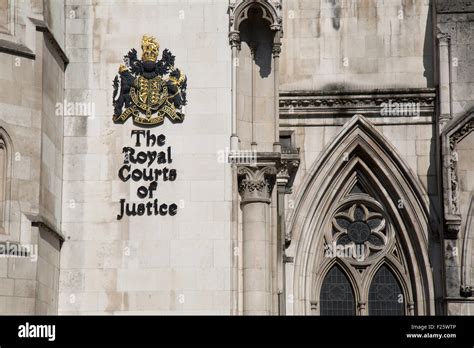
(360, 194)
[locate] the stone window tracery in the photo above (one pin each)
(361, 231)
(360, 225)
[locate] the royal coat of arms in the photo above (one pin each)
(150, 88)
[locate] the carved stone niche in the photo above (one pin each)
(239, 11)
(457, 130)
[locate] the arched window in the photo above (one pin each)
(337, 296)
(385, 295)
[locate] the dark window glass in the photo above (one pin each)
(358, 188)
(286, 144)
(359, 214)
(337, 296)
(385, 295)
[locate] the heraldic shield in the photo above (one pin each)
(148, 89)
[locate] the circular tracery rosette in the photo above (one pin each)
(359, 231)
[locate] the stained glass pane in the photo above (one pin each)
(374, 223)
(337, 296)
(343, 240)
(342, 222)
(375, 240)
(359, 214)
(385, 294)
(357, 189)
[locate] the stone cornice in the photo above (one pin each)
(313, 104)
(16, 49)
(42, 222)
(467, 291)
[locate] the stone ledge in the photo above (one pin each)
(41, 222)
(316, 104)
(16, 49)
(41, 26)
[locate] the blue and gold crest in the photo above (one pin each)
(150, 88)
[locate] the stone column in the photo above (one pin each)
(255, 187)
(253, 77)
(444, 78)
(276, 50)
(234, 41)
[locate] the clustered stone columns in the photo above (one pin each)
(255, 180)
(255, 187)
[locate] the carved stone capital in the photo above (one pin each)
(466, 291)
(453, 226)
(256, 183)
(234, 39)
(442, 37)
(276, 49)
(286, 173)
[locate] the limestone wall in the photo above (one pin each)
(356, 44)
(31, 82)
(334, 46)
(147, 264)
(344, 50)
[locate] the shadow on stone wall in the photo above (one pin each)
(256, 33)
(428, 48)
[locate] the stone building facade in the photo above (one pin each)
(323, 165)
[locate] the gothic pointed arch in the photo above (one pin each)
(386, 216)
(239, 12)
(337, 294)
(386, 295)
